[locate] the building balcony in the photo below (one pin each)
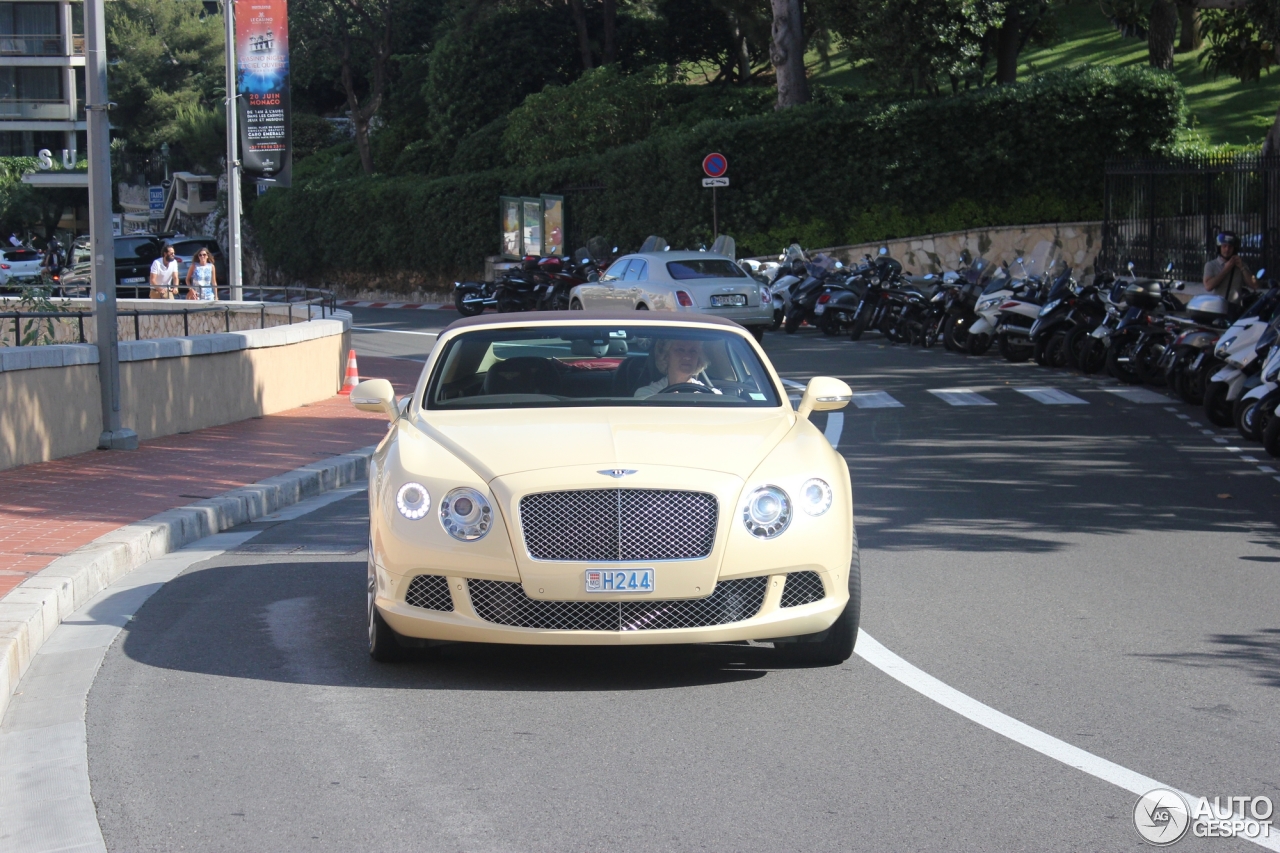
(49, 44)
(38, 110)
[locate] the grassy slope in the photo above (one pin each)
(1224, 110)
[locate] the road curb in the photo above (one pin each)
(30, 612)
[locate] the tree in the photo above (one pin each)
(1244, 40)
(787, 53)
(351, 42)
(166, 73)
(1162, 30)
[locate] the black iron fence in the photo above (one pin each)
(1160, 212)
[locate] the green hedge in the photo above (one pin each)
(1030, 152)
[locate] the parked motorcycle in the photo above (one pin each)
(879, 279)
(1238, 351)
(1139, 341)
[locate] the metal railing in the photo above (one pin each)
(34, 44)
(1159, 212)
(325, 300)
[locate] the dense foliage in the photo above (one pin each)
(1028, 152)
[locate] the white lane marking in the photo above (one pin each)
(1277, 479)
(1247, 459)
(1052, 396)
(1190, 422)
(1266, 469)
(1138, 395)
(875, 400)
(835, 426)
(1232, 449)
(1174, 409)
(791, 383)
(1220, 440)
(960, 397)
(394, 331)
(1206, 432)
(1017, 731)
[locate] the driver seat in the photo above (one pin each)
(633, 373)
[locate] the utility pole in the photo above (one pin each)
(102, 242)
(233, 162)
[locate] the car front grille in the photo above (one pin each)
(430, 592)
(619, 525)
(802, 588)
(505, 603)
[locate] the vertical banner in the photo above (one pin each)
(262, 83)
(532, 225)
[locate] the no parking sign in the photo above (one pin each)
(715, 165)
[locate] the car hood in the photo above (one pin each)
(495, 443)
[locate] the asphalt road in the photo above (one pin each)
(1104, 572)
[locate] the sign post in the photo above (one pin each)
(715, 165)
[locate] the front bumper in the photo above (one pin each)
(757, 315)
(464, 624)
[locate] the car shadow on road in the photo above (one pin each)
(304, 622)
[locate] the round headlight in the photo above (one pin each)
(466, 514)
(815, 496)
(767, 512)
(413, 501)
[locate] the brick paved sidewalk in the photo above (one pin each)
(52, 508)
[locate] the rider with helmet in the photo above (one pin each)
(1227, 275)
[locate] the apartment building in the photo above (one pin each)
(41, 77)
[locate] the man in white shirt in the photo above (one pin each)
(1227, 275)
(164, 275)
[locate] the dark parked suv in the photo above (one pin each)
(134, 254)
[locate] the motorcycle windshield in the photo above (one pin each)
(1060, 287)
(1264, 307)
(1036, 262)
(999, 281)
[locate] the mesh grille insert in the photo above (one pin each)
(802, 588)
(506, 604)
(618, 525)
(430, 592)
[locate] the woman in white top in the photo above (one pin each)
(681, 361)
(205, 277)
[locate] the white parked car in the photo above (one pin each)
(19, 266)
(687, 282)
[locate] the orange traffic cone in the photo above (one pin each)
(353, 374)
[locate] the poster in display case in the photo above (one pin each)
(532, 231)
(512, 245)
(553, 225)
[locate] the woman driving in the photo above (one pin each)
(681, 362)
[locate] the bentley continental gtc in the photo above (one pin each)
(608, 479)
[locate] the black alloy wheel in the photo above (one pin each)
(1093, 356)
(1120, 360)
(860, 324)
(467, 310)
(979, 344)
(1250, 422)
(828, 324)
(575, 305)
(1146, 362)
(1074, 344)
(1271, 436)
(955, 333)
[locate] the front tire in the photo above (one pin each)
(384, 643)
(794, 319)
(1249, 419)
(1123, 370)
(835, 645)
(757, 332)
(955, 334)
(1013, 352)
(979, 344)
(1217, 408)
(1271, 436)
(575, 305)
(460, 302)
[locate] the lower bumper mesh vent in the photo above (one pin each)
(802, 588)
(430, 592)
(505, 603)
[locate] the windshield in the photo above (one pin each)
(998, 281)
(620, 365)
(704, 268)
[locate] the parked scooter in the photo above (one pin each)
(873, 311)
(1238, 351)
(1139, 341)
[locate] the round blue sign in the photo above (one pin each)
(715, 165)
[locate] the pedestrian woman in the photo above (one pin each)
(202, 279)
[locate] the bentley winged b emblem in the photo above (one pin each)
(617, 473)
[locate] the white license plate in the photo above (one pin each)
(619, 580)
(730, 301)
(138, 280)
(819, 309)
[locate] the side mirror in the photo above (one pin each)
(823, 394)
(376, 395)
(1179, 285)
(1130, 266)
(1261, 273)
(884, 250)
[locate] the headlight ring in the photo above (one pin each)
(413, 501)
(767, 512)
(466, 514)
(815, 496)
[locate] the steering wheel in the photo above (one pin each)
(687, 388)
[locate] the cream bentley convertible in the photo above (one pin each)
(608, 479)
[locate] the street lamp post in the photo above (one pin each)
(102, 242)
(233, 162)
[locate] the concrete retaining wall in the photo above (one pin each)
(1078, 243)
(49, 396)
